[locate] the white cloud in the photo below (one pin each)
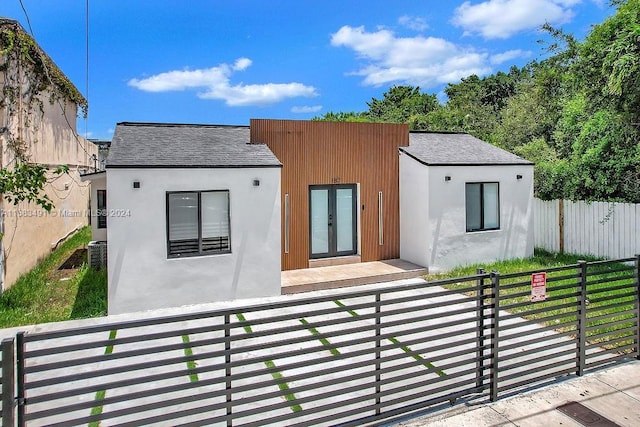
(503, 18)
(242, 64)
(509, 55)
(306, 109)
(413, 23)
(423, 61)
(216, 84)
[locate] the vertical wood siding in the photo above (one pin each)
(603, 229)
(314, 153)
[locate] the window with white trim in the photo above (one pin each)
(482, 206)
(198, 223)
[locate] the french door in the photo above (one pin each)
(332, 220)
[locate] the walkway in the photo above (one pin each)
(613, 394)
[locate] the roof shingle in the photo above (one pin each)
(163, 145)
(435, 148)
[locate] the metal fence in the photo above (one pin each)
(347, 358)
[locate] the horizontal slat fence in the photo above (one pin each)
(602, 229)
(351, 358)
(344, 358)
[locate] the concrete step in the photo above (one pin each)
(340, 276)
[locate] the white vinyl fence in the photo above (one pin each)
(603, 229)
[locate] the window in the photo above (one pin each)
(102, 209)
(197, 223)
(483, 206)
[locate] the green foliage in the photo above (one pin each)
(25, 182)
(401, 104)
(41, 296)
(611, 61)
(342, 117)
(605, 160)
(550, 171)
(18, 46)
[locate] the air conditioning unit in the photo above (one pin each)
(97, 254)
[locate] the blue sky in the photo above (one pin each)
(224, 62)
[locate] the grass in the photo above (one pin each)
(275, 374)
(541, 260)
(191, 364)
(402, 347)
(325, 342)
(46, 294)
(101, 394)
(601, 296)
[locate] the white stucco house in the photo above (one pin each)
(193, 216)
(463, 201)
(204, 213)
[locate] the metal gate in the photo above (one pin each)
(347, 358)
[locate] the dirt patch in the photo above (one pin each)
(77, 258)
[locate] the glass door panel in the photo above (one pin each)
(344, 219)
(319, 221)
(332, 220)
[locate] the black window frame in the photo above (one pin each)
(482, 201)
(101, 205)
(200, 252)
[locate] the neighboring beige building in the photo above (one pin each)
(38, 116)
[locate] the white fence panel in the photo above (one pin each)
(546, 229)
(603, 229)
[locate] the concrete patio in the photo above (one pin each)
(340, 276)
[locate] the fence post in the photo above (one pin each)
(20, 400)
(8, 382)
(377, 353)
(480, 330)
(637, 267)
(495, 288)
(227, 366)
(582, 317)
(561, 225)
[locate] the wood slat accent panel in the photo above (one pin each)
(314, 153)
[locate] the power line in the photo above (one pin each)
(86, 119)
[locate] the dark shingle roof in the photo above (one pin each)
(434, 148)
(162, 145)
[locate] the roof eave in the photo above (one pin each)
(134, 166)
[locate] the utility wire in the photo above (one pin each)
(86, 119)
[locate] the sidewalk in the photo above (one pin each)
(613, 393)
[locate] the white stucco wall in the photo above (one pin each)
(97, 182)
(141, 277)
(414, 218)
(446, 242)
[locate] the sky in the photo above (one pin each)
(225, 62)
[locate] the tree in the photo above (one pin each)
(610, 61)
(351, 116)
(401, 104)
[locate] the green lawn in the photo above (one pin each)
(46, 294)
(540, 260)
(515, 292)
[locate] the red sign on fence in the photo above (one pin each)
(538, 287)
